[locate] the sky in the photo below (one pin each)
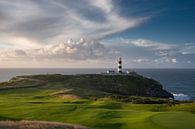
(94, 33)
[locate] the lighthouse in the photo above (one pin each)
(119, 65)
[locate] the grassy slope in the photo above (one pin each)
(118, 84)
(41, 103)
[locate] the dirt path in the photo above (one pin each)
(37, 125)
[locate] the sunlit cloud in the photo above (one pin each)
(67, 50)
(97, 52)
(63, 33)
(48, 21)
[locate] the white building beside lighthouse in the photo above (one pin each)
(119, 69)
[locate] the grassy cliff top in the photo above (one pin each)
(93, 85)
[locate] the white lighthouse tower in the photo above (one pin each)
(119, 65)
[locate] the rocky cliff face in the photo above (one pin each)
(158, 91)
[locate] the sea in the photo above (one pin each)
(180, 82)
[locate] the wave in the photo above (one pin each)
(181, 97)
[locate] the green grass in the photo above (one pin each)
(175, 120)
(37, 104)
(41, 103)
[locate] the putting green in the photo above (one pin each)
(175, 120)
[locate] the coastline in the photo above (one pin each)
(176, 84)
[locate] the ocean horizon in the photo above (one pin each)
(180, 82)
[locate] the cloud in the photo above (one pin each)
(48, 21)
(140, 60)
(74, 50)
(12, 54)
(188, 48)
(68, 50)
(102, 54)
(148, 44)
(149, 53)
(174, 60)
(40, 30)
(18, 42)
